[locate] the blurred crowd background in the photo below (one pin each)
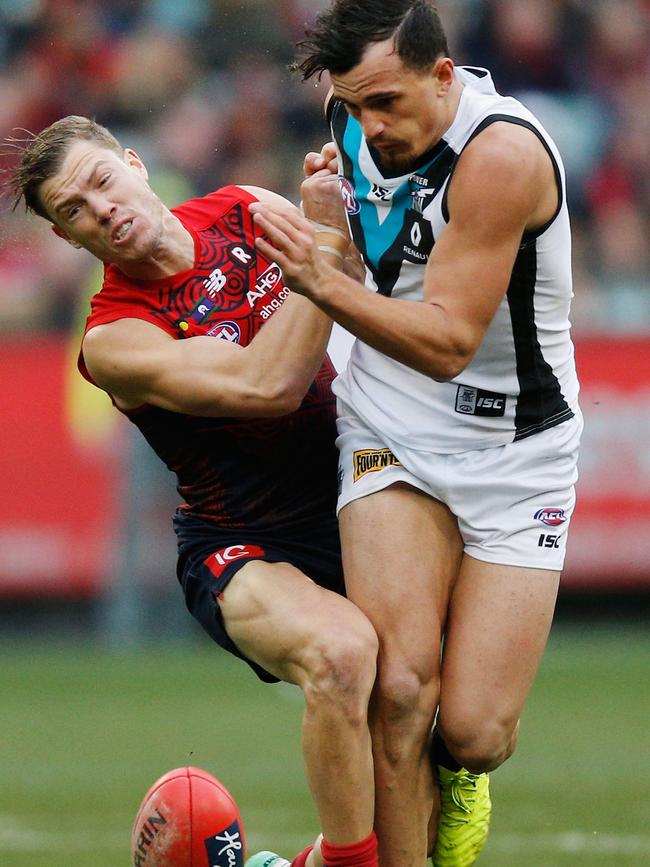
(201, 89)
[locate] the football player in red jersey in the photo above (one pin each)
(244, 415)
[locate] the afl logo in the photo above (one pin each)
(226, 331)
(550, 517)
(352, 206)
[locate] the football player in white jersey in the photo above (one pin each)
(458, 415)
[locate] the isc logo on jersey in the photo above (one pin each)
(477, 401)
(371, 461)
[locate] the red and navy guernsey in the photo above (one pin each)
(275, 474)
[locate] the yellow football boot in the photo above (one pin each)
(465, 809)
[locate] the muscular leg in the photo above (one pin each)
(498, 624)
(401, 552)
(311, 637)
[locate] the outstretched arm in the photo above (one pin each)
(138, 363)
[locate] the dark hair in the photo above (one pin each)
(42, 155)
(340, 35)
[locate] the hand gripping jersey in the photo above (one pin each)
(277, 474)
(522, 379)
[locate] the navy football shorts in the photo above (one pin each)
(209, 556)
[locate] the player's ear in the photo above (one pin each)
(61, 234)
(443, 70)
(132, 159)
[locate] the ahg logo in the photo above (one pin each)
(264, 283)
(269, 278)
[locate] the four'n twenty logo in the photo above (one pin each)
(226, 849)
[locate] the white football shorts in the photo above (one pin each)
(513, 502)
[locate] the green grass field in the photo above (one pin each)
(84, 733)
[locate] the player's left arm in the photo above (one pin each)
(503, 185)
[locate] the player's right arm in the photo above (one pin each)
(138, 363)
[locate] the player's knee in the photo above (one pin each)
(341, 671)
(404, 709)
(481, 745)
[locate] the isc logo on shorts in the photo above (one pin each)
(372, 460)
(218, 561)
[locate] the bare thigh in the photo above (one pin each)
(281, 619)
(401, 553)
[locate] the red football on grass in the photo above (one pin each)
(188, 819)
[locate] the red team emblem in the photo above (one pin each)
(229, 331)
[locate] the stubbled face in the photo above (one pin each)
(403, 112)
(103, 202)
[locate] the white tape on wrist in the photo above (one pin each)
(331, 230)
(325, 248)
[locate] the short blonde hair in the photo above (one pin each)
(43, 154)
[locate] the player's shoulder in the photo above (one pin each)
(503, 158)
(268, 197)
(115, 355)
(204, 211)
(507, 166)
(119, 336)
(505, 143)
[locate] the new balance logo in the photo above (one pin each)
(215, 282)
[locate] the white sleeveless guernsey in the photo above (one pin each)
(522, 379)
